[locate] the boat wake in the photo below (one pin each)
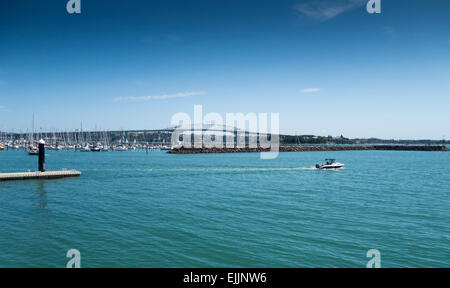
(235, 169)
(218, 169)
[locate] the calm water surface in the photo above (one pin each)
(228, 210)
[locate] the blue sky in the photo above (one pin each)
(327, 66)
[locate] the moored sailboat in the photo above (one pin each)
(33, 150)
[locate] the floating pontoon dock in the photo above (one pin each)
(39, 175)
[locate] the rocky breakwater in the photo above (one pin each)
(303, 148)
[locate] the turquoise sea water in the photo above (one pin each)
(228, 210)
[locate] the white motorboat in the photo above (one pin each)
(86, 148)
(330, 164)
(96, 149)
(165, 148)
(33, 150)
(120, 148)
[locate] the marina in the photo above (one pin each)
(88, 141)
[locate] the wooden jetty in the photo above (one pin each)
(39, 175)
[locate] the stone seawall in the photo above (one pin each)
(303, 148)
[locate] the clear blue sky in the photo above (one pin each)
(327, 66)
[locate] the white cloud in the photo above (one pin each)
(160, 97)
(310, 90)
(3, 108)
(323, 10)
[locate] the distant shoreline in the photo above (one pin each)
(306, 148)
(164, 137)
